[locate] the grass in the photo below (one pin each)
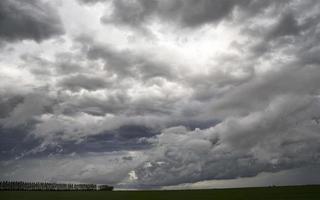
(265, 193)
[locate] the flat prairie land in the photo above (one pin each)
(261, 193)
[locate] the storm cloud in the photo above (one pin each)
(160, 94)
(28, 20)
(188, 14)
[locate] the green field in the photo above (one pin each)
(277, 193)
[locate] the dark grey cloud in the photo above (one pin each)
(7, 104)
(30, 19)
(131, 13)
(289, 28)
(32, 105)
(126, 62)
(15, 143)
(77, 82)
(189, 14)
(68, 63)
(92, 1)
(286, 26)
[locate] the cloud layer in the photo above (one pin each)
(173, 92)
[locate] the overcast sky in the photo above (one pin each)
(160, 93)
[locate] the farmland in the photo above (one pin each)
(263, 193)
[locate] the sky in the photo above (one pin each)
(160, 94)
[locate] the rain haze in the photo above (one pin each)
(160, 94)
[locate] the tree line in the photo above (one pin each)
(45, 186)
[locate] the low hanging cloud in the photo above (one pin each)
(274, 139)
(109, 168)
